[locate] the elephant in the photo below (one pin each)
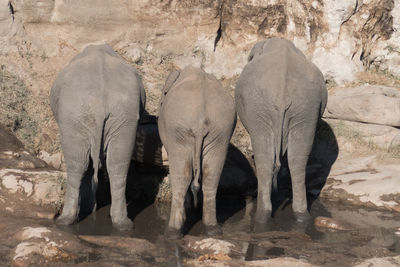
(97, 100)
(196, 121)
(280, 96)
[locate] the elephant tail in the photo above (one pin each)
(95, 148)
(280, 146)
(198, 148)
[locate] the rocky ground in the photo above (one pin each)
(352, 183)
(352, 175)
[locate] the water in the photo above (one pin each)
(372, 233)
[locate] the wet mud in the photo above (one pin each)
(372, 233)
(335, 234)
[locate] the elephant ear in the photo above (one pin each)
(172, 77)
(256, 50)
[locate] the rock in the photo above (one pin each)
(55, 160)
(164, 193)
(281, 261)
(332, 224)
(364, 181)
(8, 26)
(375, 262)
(132, 52)
(31, 232)
(362, 218)
(129, 244)
(209, 245)
(110, 263)
(42, 187)
(329, 58)
(26, 249)
(41, 244)
(148, 146)
(44, 215)
(13, 153)
(374, 135)
(367, 103)
(218, 257)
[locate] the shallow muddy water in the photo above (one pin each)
(370, 233)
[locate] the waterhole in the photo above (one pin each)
(369, 233)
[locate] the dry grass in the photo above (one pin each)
(16, 105)
(355, 138)
(377, 77)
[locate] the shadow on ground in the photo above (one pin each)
(324, 153)
(238, 181)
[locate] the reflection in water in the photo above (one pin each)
(178, 256)
(257, 242)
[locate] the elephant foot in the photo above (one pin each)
(65, 219)
(262, 217)
(172, 233)
(213, 230)
(302, 216)
(124, 224)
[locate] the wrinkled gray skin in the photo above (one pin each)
(280, 96)
(196, 121)
(97, 100)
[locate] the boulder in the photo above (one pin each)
(374, 135)
(367, 103)
(55, 160)
(14, 155)
(331, 224)
(148, 147)
(39, 244)
(8, 26)
(364, 181)
(375, 262)
(209, 245)
(41, 187)
(281, 261)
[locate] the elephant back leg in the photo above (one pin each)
(180, 174)
(213, 162)
(262, 141)
(300, 141)
(76, 149)
(120, 141)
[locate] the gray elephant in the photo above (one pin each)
(196, 122)
(97, 101)
(280, 96)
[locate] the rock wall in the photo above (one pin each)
(38, 38)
